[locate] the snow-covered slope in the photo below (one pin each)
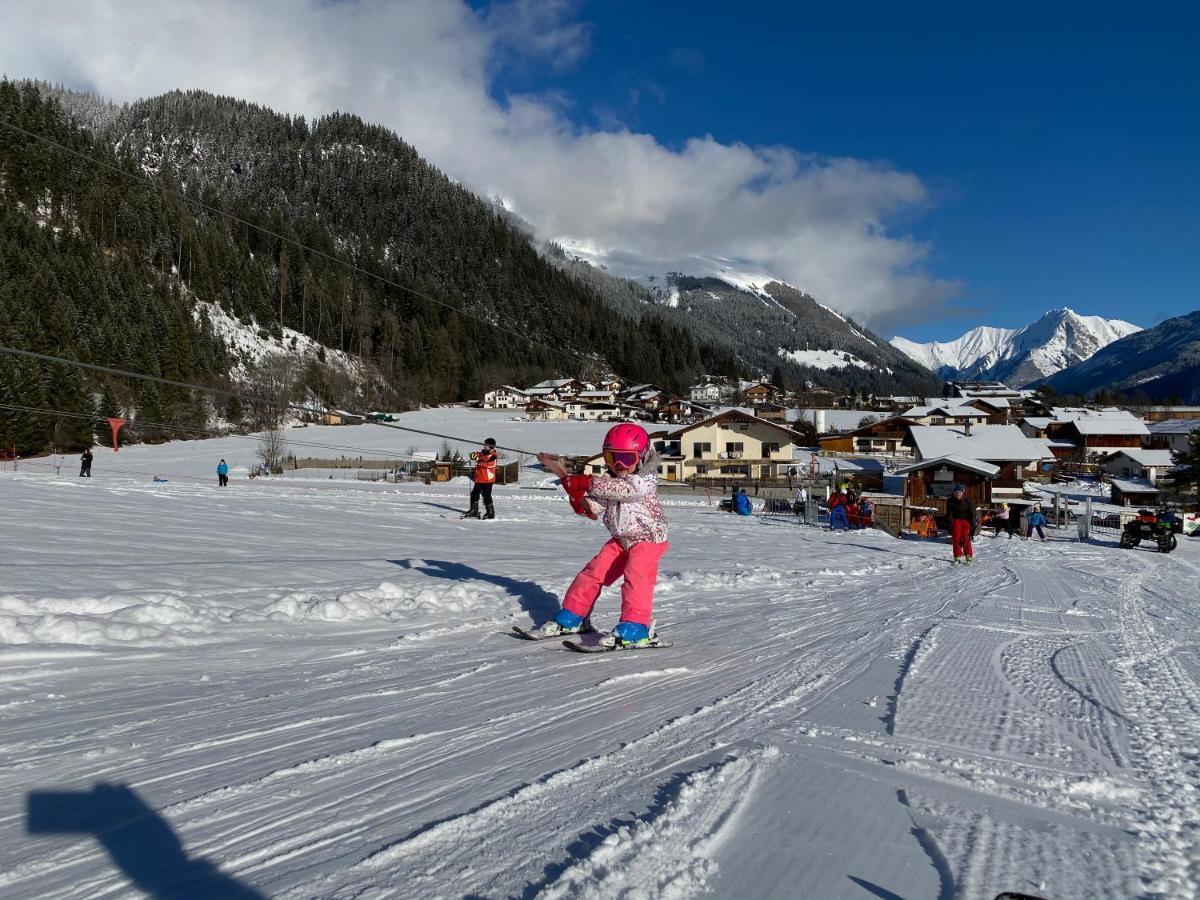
(1059, 339)
(297, 689)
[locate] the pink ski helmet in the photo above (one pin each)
(627, 436)
(626, 446)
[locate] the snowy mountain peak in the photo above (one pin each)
(1060, 338)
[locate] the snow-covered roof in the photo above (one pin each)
(995, 443)
(1133, 486)
(994, 402)
(555, 383)
(1111, 426)
(840, 465)
(949, 409)
(538, 392)
(583, 394)
(956, 460)
(1050, 446)
(1147, 457)
(1038, 421)
(1174, 426)
(510, 389)
(1106, 420)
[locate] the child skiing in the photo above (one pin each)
(1001, 521)
(627, 501)
(485, 476)
(1036, 520)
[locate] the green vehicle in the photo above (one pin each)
(381, 417)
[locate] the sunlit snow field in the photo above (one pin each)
(294, 688)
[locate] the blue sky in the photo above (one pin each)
(1060, 143)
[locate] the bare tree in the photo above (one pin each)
(271, 450)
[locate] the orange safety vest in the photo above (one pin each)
(485, 466)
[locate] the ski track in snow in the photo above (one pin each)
(333, 708)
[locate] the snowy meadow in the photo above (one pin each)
(309, 688)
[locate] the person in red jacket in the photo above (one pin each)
(485, 476)
(961, 513)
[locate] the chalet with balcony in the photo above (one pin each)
(712, 391)
(761, 393)
(950, 412)
(505, 397)
(735, 444)
(888, 437)
(541, 410)
(1097, 432)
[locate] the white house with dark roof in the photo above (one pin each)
(505, 397)
(1171, 434)
(1136, 463)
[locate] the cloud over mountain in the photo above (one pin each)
(427, 68)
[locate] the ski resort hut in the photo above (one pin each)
(1133, 492)
(931, 481)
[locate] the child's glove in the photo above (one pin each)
(576, 487)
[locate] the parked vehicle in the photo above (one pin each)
(1151, 525)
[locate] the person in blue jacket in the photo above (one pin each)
(222, 473)
(741, 504)
(1038, 521)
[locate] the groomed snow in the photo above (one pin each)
(303, 689)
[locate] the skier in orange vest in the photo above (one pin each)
(485, 477)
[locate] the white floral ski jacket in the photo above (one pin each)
(628, 505)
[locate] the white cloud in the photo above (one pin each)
(426, 69)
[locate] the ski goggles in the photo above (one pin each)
(623, 459)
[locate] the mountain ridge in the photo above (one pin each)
(1160, 363)
(1060, 338)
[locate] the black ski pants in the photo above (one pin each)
(484, 491)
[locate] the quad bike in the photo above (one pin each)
(1151, 525)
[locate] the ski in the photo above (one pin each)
(531, 635)
(597, 647)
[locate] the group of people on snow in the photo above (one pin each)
(847, 510)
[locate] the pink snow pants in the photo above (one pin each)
(639, 565)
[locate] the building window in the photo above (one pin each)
(770, 447)
(698, 449)
(701, 470)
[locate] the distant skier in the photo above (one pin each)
(485, 476)
(800, 505)
(627, 500)
(837, 511)
(222, 474)
(1036, 520)
(961, 513)
(85, 464)
(741, 503)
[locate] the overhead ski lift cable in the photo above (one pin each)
(155, 186)
(183, 429)
(289, 406)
